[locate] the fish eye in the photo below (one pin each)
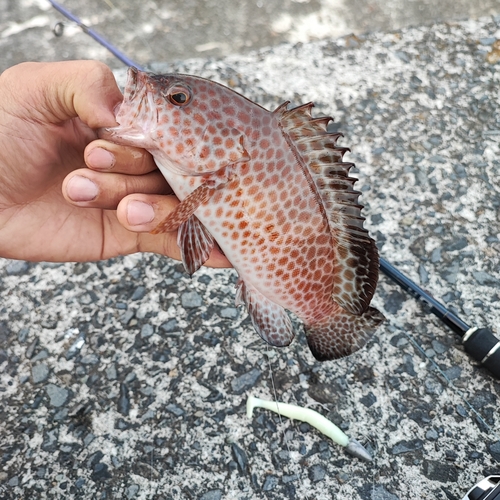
(179, 96)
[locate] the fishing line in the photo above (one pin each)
(276, 399)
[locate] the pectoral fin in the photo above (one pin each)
(269, 319)
(185, 209)
(196, 244)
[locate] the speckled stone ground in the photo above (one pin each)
(127, 379)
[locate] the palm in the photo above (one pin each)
(36, 219)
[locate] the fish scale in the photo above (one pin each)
(272, 190)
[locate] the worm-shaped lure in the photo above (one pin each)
(313, 418)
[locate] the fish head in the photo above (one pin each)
(179, 121)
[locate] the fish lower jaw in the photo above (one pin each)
(122, 136)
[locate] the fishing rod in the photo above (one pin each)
(98, 38)
(480, 343)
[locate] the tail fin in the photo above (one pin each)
(342, 333)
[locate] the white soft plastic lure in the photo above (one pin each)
(313, 418)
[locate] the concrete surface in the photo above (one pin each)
(169, 30)
(127, 379)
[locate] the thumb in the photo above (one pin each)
(56, 92)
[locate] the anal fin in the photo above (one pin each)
(185, 209)
(341, 333)
(195, 243)
(269, 319)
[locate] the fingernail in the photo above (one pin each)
(101, 159)
(139, 213)
(81, 189)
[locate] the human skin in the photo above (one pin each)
(66, 195)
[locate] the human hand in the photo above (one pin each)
(66, 195)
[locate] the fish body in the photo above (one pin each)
(272, 190)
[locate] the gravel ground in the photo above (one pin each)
(127, 379)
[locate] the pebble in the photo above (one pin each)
(58, 395)
(170, 326)
(132, 490)
(229, 312)
(88, 439)
(147, 330)
(394, 301)
(90, 359)
(43, 354)
(75, 347)
(40, 373)
(30, 350)
(423, 274)
(139, 293)
(380, 493)
(190, 300)
(80, 482)
(453, 373)
(438, 347)
(494, 449)
(111, 373)
(246, 381)
(149, 415)
(173, 408)
(441, 471)
(432, 435)
(484, 278)
(23, 334)
(240, 457)
(270, 483)
(436, 255)
(100, 472)
(123, 405)
(317, 473)
(212, 495)
(406, 446)
(16, 267)
(369, 400)
(50, 441)
(451, 273)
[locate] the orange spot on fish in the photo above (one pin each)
(199, 118)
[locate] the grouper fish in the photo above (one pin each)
(272, 190)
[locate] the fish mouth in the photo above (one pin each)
(136, 97)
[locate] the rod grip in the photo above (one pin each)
(484, 347)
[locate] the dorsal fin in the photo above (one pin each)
(356, 262)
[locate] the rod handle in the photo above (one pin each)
(484, 347)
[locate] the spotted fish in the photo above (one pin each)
(272, 190)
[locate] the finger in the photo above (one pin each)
(142, 213)
(86, 188)
(106, 156)
(60, 91)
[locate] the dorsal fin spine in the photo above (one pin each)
(322, 162)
